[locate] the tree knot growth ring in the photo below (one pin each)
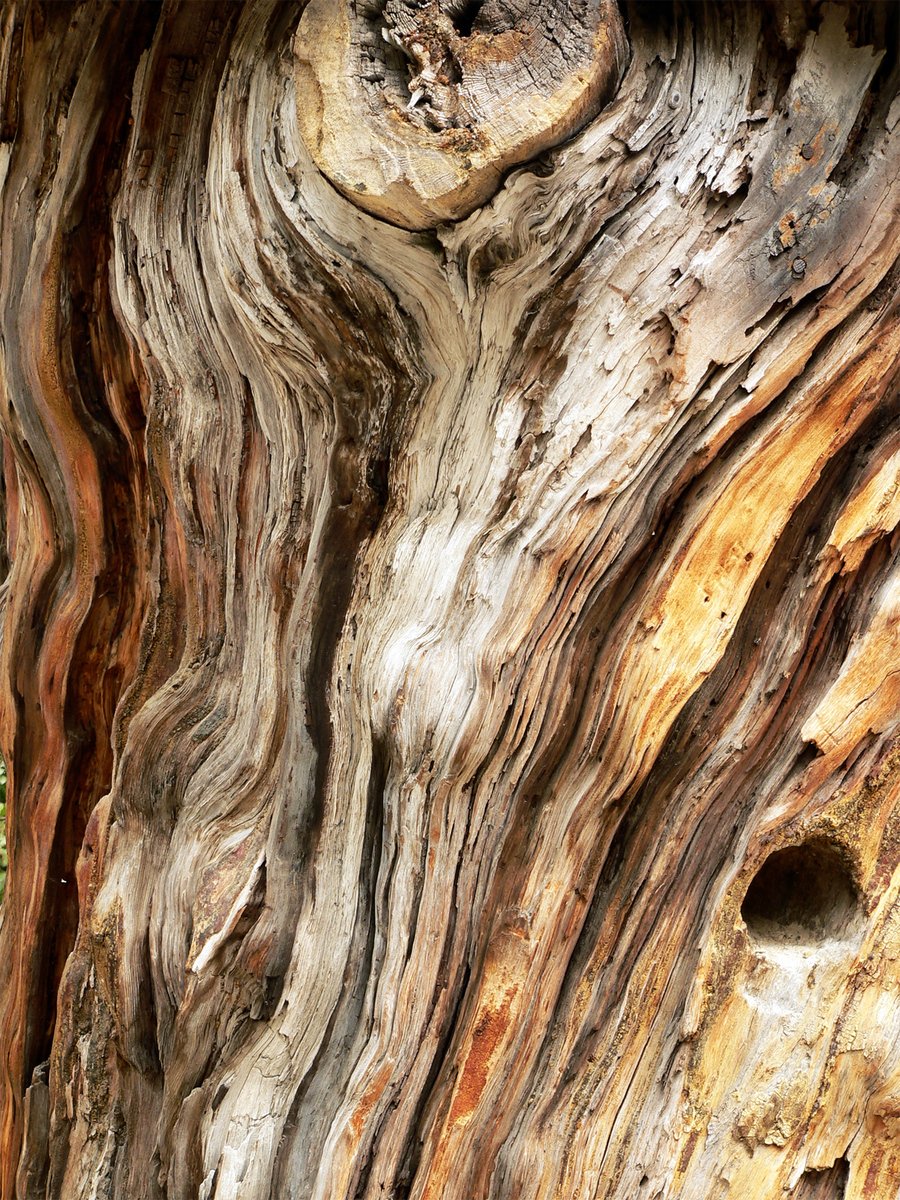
(414, 111)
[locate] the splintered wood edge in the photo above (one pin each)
(370, 147)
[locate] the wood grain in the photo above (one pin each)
(449, 674)
(415, 110)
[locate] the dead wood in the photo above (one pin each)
(450, 642)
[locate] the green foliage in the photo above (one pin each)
(3, 858)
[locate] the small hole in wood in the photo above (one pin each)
(464, 19)
(802, 895)
(827, 1184)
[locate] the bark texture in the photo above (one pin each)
(450, 671)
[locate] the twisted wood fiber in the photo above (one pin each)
(416, 641)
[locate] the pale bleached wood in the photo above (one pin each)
(421, 633)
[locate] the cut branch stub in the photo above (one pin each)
(415, 110)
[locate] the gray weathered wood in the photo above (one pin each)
(449, 668)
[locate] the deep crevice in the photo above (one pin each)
(830, 1183)
(464, 20)
(699, 724)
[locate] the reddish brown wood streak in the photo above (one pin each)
(72, 630)
(490, 1027)
(416, 642)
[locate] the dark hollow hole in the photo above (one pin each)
(464, 19)
(801, 895)
(828, 1184)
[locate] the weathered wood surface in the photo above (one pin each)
(450, 675)
(416, 112)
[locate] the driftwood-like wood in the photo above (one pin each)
(450, 674)
(415, 108)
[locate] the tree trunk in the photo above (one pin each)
(450, 671)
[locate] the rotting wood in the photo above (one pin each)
(450, 647)
(416, 108)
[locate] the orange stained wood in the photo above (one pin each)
(871, 1187)
(687, 1153)
(795, 161)
(370, 1099)
(75, 454)
(726, 555)
(492, 1024)
(76, 461)
(722, 561)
